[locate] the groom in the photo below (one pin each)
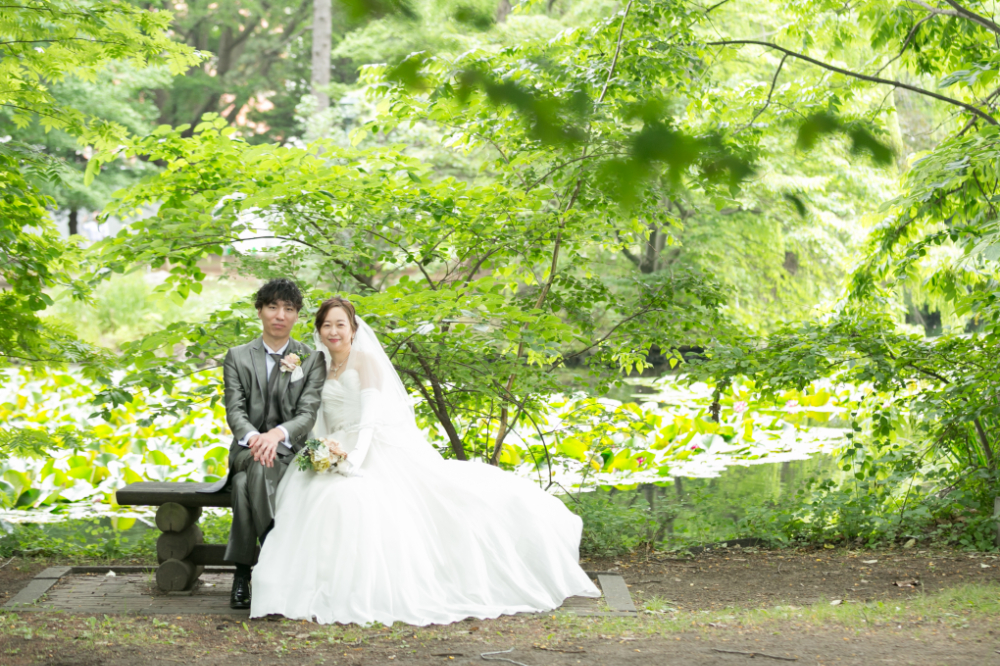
(272, 391)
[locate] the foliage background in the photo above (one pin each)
(792, 206)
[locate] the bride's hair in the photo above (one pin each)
(337, 302)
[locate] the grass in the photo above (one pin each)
(954, 609)
(962, 615)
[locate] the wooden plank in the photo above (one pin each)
(119, 570)
(155, 493)
(34, 591)
(55, 572)
(616, 593)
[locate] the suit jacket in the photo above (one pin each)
(245, 376)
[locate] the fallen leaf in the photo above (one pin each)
(984, 566)
(906, 583)
(836, 602)
(869, 562)
(910, 544)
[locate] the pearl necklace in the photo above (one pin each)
(338, 366)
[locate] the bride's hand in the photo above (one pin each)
(346, 468)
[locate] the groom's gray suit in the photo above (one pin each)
(246, 387)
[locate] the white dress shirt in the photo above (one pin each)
(269, 360)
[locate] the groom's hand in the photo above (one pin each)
(265, 446)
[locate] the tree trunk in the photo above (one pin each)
(321, 39)
(996, 516)
(985, 442)
(650, 253)
(439, 405)
(74, 222)
(503, 10)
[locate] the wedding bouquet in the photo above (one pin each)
(320, 455)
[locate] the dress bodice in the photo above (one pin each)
(342, 401)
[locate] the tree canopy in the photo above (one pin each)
(531, 202)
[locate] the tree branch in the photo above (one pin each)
(627, 252)
(973, 16)
(618, 49)
(987, 449)
(559, 166)
(774, 81)
(611, 332)
(906, 42)
(855, 75)
(933, 10)
(504, 410)
(441, 408)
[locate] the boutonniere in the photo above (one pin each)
(293, 364)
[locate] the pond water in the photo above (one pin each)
(707, 496)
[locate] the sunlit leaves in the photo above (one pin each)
(52, 39)
(64, 456)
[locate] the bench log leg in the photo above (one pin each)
(175, 545)
(177, 575)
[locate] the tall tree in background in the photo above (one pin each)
(253, 77)
(321, 36)
(118, 94)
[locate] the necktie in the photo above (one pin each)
(271, 399)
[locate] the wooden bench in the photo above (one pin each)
(180, 549)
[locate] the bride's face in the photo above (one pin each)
(336, 331)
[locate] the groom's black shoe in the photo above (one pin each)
(240, 597)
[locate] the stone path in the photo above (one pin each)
(93, 590)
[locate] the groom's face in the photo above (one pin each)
(278, 319)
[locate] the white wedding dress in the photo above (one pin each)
(416, 538)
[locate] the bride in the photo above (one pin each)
(398, 534)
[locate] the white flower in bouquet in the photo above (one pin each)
(320, 455)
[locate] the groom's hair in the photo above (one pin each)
(279, 289)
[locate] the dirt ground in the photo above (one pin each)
(749, 578)
(15, 574)
(721, 608)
